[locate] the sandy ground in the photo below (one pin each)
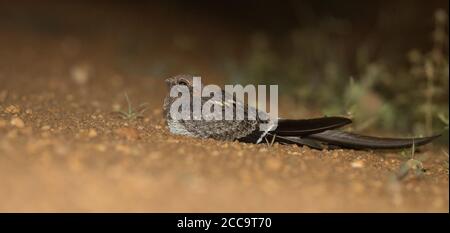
(64, 148)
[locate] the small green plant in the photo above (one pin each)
(443, 119)
(131, 113)
(412, 164)
(430, 69)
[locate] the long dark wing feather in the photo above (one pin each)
(356, 141)
(309, 126)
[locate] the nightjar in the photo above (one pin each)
(317, 133)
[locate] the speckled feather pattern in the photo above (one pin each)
(216, 129)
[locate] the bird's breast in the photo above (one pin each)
(176, 127)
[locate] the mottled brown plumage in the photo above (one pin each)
(217, 129)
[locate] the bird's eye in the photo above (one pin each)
(183, 82)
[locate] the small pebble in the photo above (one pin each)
(80, 74)
(263, 149)
(12, 109)
(335, 154)
(45, 127)
(17, 122)
(92, 133)
(357, 164)
(116, 107)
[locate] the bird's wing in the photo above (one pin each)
(306, 127)
(222, 129)
(294, 131)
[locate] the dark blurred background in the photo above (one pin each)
(384, 63)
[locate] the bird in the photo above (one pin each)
(317, 133)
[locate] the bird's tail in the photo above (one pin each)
(332, 139)
(357, 141)
(319, 132)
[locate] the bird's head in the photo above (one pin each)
(183, 79)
